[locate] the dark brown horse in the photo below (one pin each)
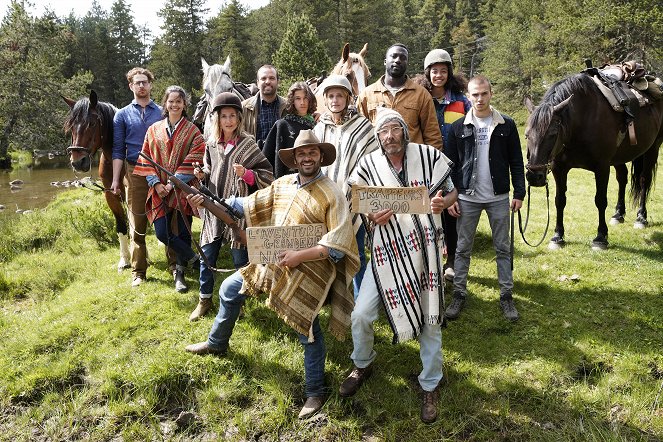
(90, 122)
(575, 127)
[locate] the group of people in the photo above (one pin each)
(277, 162)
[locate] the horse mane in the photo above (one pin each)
(79, 114)
(578, 84)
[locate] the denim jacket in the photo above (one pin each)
(505, 155)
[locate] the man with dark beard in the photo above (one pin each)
(303, 280)
(397, 91)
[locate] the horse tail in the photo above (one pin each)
(638, 191)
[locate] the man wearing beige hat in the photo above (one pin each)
(303, 280)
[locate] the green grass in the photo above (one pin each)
(83, 356)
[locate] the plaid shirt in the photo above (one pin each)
(269, 113)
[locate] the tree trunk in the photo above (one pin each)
(5, 158)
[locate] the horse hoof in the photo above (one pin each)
(599, 245)
(640, 225)
(616, 220)
(556, 245)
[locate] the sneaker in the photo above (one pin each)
(204, 305)
(449, 274)
(509, 308)
(453, 310)
(312, 405)
(429, 405)
(354, 380)
(138, 280)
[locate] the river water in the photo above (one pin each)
(36, 191)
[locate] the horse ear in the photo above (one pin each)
(205, 65)
(69, 101)
(562, 105)
(364, 50)
(529, 105)
(226, 65)
(93, 98)
(345, 53)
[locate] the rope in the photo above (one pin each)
(524, 228)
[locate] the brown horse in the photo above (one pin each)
(575, 127)
(351, 65)
(90, 122)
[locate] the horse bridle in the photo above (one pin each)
(88, 150)
(556, 151)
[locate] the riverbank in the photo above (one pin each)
(83, 356)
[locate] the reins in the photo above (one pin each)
(520, 220)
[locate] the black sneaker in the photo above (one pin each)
(453, 310)
(509, 309)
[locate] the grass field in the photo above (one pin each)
(83, 356)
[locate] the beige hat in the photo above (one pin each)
(437, 56)
(336, 80)
(307, 138)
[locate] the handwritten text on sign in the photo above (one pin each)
(367, 199)
(265, 243)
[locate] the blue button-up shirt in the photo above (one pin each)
(129, 128)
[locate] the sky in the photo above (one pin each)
(144, 11)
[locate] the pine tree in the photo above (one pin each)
(128, 47)
(228, 35)
(301, 54)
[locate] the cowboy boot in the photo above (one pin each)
(204, 305)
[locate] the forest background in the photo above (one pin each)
(523, 46)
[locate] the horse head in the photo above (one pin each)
(545, 135)
(216, 78)
(90, 123)
(353, 66)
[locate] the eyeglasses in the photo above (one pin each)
(390, 130)
(141, 83)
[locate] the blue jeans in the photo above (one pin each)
(366, 312)
(498, 217)
(229, 306)
(180, 243)
(361, 243)
(211, 251)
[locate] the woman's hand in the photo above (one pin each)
(198, 171)
(239, 170)
(163, 189)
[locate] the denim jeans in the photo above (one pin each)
(229, 306)
(498, 217)
(211, 250)
(361, 243)
(365, 313)
(180, 243)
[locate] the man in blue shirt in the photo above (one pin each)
(129, 127)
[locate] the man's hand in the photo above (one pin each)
(290, 258)
(382, 217)
(516, 205)
(198, 171)
(454, 210)
(195, 200)
(437, 203)
(116, 187)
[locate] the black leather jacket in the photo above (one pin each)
(504, 155)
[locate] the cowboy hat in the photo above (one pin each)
(307, 138)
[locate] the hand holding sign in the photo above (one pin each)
(368, 199)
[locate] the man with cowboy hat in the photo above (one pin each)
(303, 280)
(352, 135)
(405, 273)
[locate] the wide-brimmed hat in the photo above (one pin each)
(226, 99)
(307, 138)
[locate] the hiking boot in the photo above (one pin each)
(204, 305)
(178, 276)
(429, 402)
(354, 380)
(453, 310)
(203, 348)
(312, 405)
(509, 308)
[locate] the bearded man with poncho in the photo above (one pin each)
(405, 271)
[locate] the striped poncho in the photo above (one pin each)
(222, 181)
(353, 140)
(406, 252)
(177, 155)
(297, 294)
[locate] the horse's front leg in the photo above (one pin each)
(115, 205)
(561, 176)
(621, 172)
(601, 175)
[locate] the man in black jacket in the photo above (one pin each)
(485, 150)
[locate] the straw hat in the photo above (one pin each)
(307, 138)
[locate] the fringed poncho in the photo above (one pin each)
(297, 294)
(177, 155)
(406, 252)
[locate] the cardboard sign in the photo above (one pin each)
(265, 243)
(367, 199)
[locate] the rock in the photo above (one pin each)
(2, 207)
(16, 183)
(185, 419)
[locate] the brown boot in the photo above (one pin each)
(204, 305)
(429, 405)
(203, 348)
(313, 405)
(354, 380)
